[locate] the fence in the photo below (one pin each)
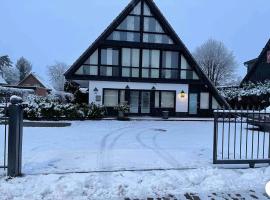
(241, 137)
(3, 132)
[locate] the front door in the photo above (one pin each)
(193, 103)
(140, 102)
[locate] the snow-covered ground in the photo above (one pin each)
(114, 145)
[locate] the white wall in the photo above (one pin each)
(181, 103)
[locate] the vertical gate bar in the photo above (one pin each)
(241, 129)
(223, 133)
(258, 143)
(247, 132)
(253, 121)
(234, 145)
(264, 122)
(229, 134)
(5, 139)
(215, 138)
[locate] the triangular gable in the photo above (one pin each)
(166, 27)
(256, 64)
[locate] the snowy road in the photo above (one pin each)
(114, 145)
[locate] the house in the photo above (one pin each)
(34, 82)
(140, 60)
(258, 69)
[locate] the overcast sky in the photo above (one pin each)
(45, 31)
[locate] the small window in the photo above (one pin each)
(146, 10)
(152, 25)
(110, 98)
(204, 102)
(215, 104)
(167, 99)
(90, 66)
(136, 10)
(131, 23)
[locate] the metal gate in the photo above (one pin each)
(241, 137)
(3, 132)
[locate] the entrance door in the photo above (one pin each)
(140, 102)
(193, 103)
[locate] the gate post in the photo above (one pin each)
(15, 111)
(215, 137)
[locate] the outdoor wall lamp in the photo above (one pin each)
(95, 90)
(153, 88)
(182, 94)
(127, 87)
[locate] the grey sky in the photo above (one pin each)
(45, 31)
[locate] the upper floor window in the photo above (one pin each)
(150, 63)
(109, 62)
(186, 71)
(90, 66)
(170, 65)
(130, 62)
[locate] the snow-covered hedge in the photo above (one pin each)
(8, 91)
(46, 108)
(250, 89)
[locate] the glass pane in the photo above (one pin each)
(136, 10)
(170, 59)
(110, 98)
(183, 74)
(184, 63)
(126, 57)
(135, 57)
(146, 10)
(145, 102)
(126, 72)
(87, 70)
(109, 56)
(106, 71)
(154, 73)
(156, 38)
(156, 99)
(134, 102)
(145, 73)
(193, 104)
(215, 104)
(135, 73)
(131, 23)
(93, 59)
(169, 74)
(204, 102)
(195, 76)
(125, 36)
(152, 25)
(146, 58)
(155, 54)
(122, 97)
(167, 99)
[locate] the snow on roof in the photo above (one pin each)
(42, 81)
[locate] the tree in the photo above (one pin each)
(216, 61)
(24, 67)
(56, 75)
(5, 62)
(11, 75)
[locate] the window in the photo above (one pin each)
(150, 63)
(156, 38)
(130, 62)
(167, 99)
(90, 67)
(136, 10)
(122, 97)
(109, 62)
(152, 25)
(170, 65)
(157, 99)
(125, 36)
(204, 102)
(186, 71)
(131, 23)
(110, 98)
(146, 10)
(215, 104)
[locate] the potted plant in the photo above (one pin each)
(122, 110)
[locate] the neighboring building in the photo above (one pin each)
(33, 81)
(139, 59)
(258, 69)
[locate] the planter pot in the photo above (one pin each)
(165, 114)
(121, 114)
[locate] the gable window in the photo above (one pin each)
(109, 62)
(136, 10)
(152, 25)
(130, 62)
(125, 36)
(204, 102)
(150, 63)
(146, 10)
(215, 104)
(90, 66)
(186, 71)
(131, 23)
(170, 65)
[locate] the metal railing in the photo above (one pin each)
(3, 133)
(241, 137)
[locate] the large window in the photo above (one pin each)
(130, 62)
(110, 98)
(186, 71)
(170, 65)
(90, 67)
(150, 63)
(109, 62)
(167, 99)
(204, 102)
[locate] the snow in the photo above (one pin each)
(52, 155)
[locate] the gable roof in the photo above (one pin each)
(256, 63)
(38, 78)
(167, 28)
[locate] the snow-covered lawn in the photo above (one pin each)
(113, 145)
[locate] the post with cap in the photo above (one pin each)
(15, 111)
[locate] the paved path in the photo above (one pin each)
(249, 195)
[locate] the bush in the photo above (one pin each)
(44, 108)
